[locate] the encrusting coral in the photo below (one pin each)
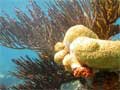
(85, 49)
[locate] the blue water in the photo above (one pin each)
(7, 54)
(117, 21)
(6, 64)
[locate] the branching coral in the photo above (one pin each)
(40, 74)
(63, 14)
(106, 12)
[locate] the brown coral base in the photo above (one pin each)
(106, 81)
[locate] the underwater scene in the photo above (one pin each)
(59, 44)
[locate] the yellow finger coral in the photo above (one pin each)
(59, 56)
(77, 31)
(84, 48)
(59, 46)
(62, 48)
(95, 53)
(67, 62)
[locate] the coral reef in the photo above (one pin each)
(28, 32)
